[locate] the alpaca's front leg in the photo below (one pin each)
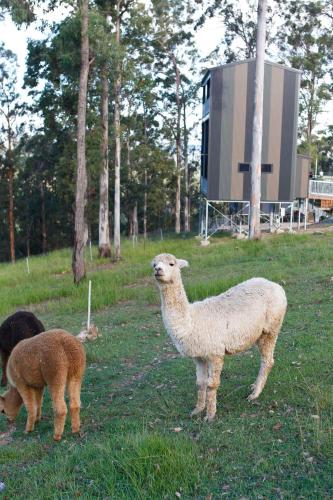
(202, 379)
(29, 400)
(215, 366)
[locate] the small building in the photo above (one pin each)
(228, 103)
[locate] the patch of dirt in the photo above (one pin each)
(100, 267)
(135, 377)
(319, 228)
(6, 437)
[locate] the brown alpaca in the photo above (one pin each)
(54, 358)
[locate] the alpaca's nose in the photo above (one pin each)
(159, 269)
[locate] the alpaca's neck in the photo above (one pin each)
(13, 397)
(176, 314)
(173, 297)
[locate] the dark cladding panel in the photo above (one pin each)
(288, 138)
(265, 158)
(248, 126)
(214, 149)
(226, 139)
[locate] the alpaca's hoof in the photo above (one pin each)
(196, 411)
(28, 430)
(252, 396)
(57, 437)
(76, 430)
(210, 418)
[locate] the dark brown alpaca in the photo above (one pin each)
(54, 358)
(19, 326)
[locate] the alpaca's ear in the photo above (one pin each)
(182, 263)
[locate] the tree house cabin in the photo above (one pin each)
(228, 103)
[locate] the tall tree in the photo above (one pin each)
(117, 9)
(173, 39)
(81, 173)
(104, 247)
(254, 222)
(9, 109)
(117, 134)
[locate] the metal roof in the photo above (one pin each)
(246, 61)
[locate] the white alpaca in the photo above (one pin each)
(251, 312)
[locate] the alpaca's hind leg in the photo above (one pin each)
(59, 408)
(202, 380)
(266, 344)
(30, 402)
(215, 366)
(39, 403)
(4, 359)
(74, 391)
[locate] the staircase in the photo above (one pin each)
(217, 221)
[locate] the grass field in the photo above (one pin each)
(137, 438)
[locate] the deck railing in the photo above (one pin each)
(321, 188)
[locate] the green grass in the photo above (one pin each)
(137, 390)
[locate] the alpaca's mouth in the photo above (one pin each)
(159, 274)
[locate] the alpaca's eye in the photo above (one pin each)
(171, 264)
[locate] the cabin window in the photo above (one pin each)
(243, 167)
(206, 91)
(204, 148)
(266, 168)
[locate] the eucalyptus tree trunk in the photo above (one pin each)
(145, 203)
(178, 145)
(11, 212)
(104, 247)
(135, 220)
(254, 224)
(10, 179)
(43, 217)
(78, 264)
(145, 197)
(117, 90)
(187, 197)
(133, 229)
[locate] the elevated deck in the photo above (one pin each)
(321, 190)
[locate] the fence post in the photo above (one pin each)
(89, 305)
(206, 221)
(306, 213)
